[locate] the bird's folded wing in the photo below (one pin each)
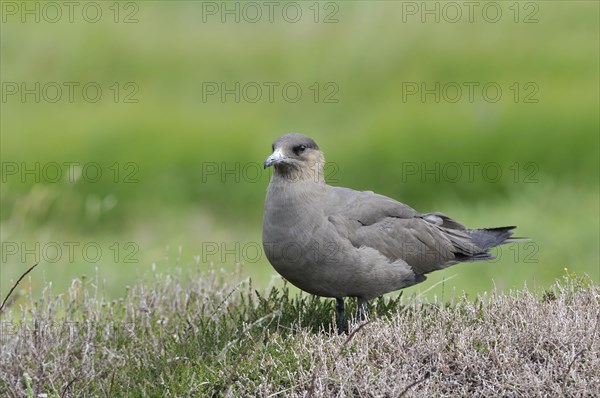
(426, 242)
(424, 246)
(366, 207)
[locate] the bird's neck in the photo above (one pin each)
(314, 173)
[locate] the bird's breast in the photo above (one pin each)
(294, 228)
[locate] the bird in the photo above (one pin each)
(337, 242)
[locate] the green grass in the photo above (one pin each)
(370, 135)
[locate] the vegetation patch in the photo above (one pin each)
(212, 334)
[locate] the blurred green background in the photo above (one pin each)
(181, 181)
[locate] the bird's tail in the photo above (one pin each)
(486, 238)
(474, 244)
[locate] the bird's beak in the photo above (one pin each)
(275, 157)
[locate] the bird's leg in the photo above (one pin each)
(361, 310)
(339, 316)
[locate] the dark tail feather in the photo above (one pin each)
(482, 240)
(486, 238)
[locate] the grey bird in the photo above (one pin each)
(338, 242)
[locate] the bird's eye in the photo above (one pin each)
(300, 149)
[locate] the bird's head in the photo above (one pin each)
(296, 157)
